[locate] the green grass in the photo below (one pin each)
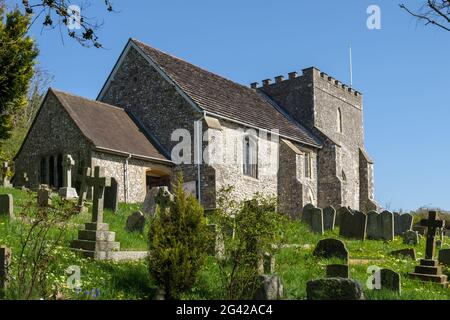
(295, 266)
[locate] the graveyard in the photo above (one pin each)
(296, 261)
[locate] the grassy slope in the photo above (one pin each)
(295, 266)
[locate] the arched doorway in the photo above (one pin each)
(157, 178)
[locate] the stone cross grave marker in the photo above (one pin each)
(82, 178)
(99, 181)
(429, 269)
(68, 192)
(5, 262)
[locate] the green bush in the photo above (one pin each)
(178, 242)
(249, 230)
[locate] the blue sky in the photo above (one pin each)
(402, 69)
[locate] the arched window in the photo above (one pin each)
(250, 156)
(308, 165)
(339, 120)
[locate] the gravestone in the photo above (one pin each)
(411, 238)
(329, 218)
(44, 197)
(420, 229)
(373, 225)
(7, 205)
(334, 289)
(96, 241)
(160, 295)
(397, 231)
(338, 271)
(82, 179)
(149, 206)
(112, 196)
(266, 265)
(270, 288)
(317, 221)
(135, 222)
(5, 180)
(390, 280)
(5, 263)
(429, 269)
(444, 257)
(339, 212)
(346, 221)
(411, 253)
(331, 248)
(358, 227)
(387, 226)
(307, 214)
(67, 191)
(405, 223)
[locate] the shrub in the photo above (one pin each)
(249, 229)
(178, 242)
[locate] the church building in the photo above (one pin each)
(299, 138)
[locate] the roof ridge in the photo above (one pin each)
(56, 91)
(190, 63)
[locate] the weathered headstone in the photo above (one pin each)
(266, 265)
(329, 218)
(444, 257)
(5, 262)
(317, 221)
(67, 191)
(270, 288)
(82, 179)
(373, 225)
(356, 225)
(411, 237)
(338, 271)
(405, 223)
(7, 205)
(334, 289)
(307, 214)
(410, 253)
(5, 180)
(44, 197)
(135, 222)
(387, 226)
(397, 231)
(346, 221)
(112, 196)
(331, 248)
(390, 280)
(429, 269)
(149, 207)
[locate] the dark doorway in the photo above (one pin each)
(51, 171)
(157, 181)
(59, 169)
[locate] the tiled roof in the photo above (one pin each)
(226, 98)
(107, 127)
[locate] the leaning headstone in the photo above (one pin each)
(405, 223)
(112, 196)
(5, 262)
(329, 218)
(270, 288)
(135, 222)
(373, 225)
(67, 191)
(444, 257)
(387, 226)
(411, 253)
(334, 289)
(317, 221)
(44, 197)
(149, 207)
(331, 248)
(411, 238)
(7, 205)
(307, 214)
(346, 221)
(338, 271)
(390, 280)
(397, 229)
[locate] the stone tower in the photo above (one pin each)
(334, 112)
